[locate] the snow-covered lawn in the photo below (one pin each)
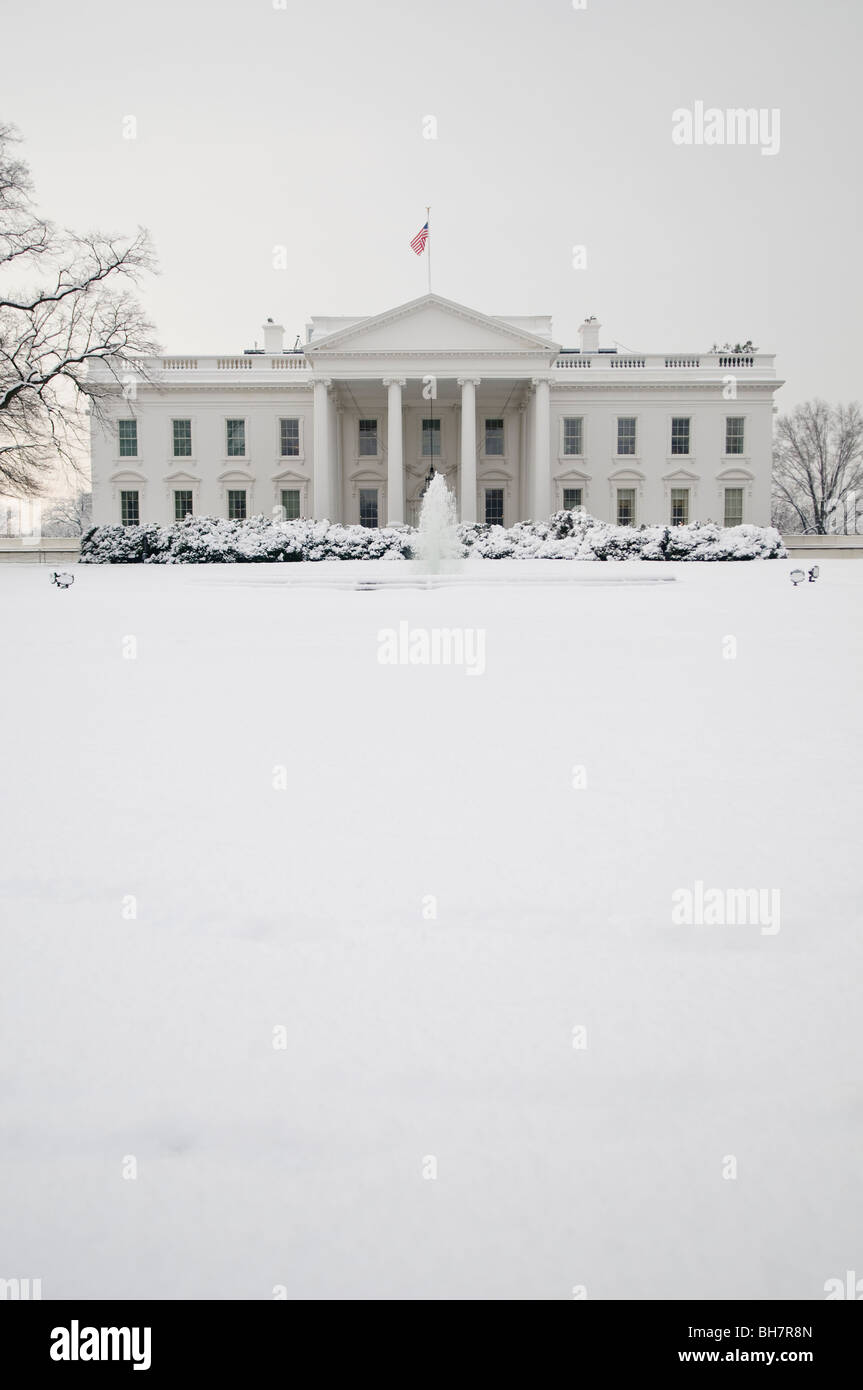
(411, 1040)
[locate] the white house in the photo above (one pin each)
(347, 426)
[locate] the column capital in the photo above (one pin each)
(540, 381)
(326, 381)
(468, 380)
(394, 381)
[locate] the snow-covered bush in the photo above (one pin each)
(206, 540)
(575, 535)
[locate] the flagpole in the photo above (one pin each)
(428, 222)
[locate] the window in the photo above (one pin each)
(571, 498)
(573, 435)
(368, 438)
(237, 504)
(494, 506)
(431, 438)
(494, 437)
(182, 503)
(236, 437)
(680, 506)
(182, 439)
(130, 512)
(680, 434)
(734, 506)
(291, 503)
(289, 438)
(626, 506)
(626, 434)
(735, 431)
(128, 437)
(368, 506)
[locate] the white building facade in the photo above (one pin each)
(347, 426)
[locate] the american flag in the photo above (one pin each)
(419, 242)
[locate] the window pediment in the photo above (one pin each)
(735, 475)
(680, 475)
(627, 475)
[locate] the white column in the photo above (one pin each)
(395, 461)
(523, 494)
(468, 386)
(321, 463)
(541, 449)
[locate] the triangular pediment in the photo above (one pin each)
(288, 475)
(181, 477)
(572, 475)
(680, 475)
(430, 324)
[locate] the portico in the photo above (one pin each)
(454, 389)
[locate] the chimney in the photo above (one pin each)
(274, 337)
(589, 335)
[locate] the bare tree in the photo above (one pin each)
(68, 516)
(66, 300)
(818, 466)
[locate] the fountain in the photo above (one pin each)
(437, 546)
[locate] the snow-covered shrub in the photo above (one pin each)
(202, 540)
(125, 545)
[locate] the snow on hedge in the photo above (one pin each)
(567, 535)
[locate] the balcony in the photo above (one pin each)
(261, 366)
(704, 366)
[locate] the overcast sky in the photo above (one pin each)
(303, 126)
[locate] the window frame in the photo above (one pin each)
(576, 506)
(744, 433)
(125, 422)
(733, 487)
(634, 453)
(361, 434)
(436, 433)
(487, 492)
(177, 420)
(687, 491)
(495, 420)
(236, 420)
(191, 510)
(680, 453)
(633, 490)
(231, 491)
(285, 420)
(130, 492)
(299, 493)
(564, 453)
(369, 488)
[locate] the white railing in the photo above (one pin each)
(287, 361)
(653, 362)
